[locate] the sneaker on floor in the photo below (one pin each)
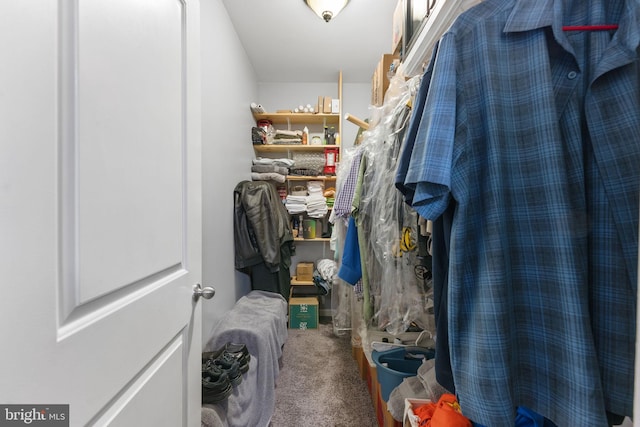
(240, 352)
(226, 362)
(215, 384)
(237, 351)
(231, 366)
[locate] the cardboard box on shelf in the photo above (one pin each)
(327, 105)
(380, 79)
(303, 313)
(304, 271)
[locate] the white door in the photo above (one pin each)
(100, 218)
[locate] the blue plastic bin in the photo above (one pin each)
(392, 366)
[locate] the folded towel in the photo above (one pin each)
(296, 204)
(287, 163)
(297, 199)
(269, 176)
(270, 168)
(288, 134)
(284, 141)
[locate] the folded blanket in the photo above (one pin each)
(271, 176)
(270, 168)
(288, 133)
(296, 209)
(296, 204)
(316, 204)
(285, 141)
(297, 199)
(287, 163)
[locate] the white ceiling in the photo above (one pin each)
(287, 42)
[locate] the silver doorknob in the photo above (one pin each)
(206, 293)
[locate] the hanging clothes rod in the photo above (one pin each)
(364, 125)
(604, 27)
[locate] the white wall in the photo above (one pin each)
(228, 88)
(356, 102)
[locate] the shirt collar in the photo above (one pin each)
(628, 32)
(529, 15)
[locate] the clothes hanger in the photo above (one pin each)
(604, 27)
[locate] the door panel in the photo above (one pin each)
(142, 394)
(129, 142)
(100, 228)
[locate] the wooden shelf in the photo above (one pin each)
(272, 148)
(317, 239)
(311, 178)
(299, 118)
(296, 282)
(297, 121)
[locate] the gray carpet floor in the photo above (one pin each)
(319, 384)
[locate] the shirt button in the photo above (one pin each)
(572, 75)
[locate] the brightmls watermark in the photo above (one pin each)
(34, 415)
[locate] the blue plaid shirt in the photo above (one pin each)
(534, 132)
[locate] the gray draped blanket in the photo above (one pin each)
(259, 320)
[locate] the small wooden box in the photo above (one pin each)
(327, 105)
(304, 271)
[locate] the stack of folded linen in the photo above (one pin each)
(286, 137)
(316, 206)
(287, 163)
(264, 169)
(316, 202)
(296, 204)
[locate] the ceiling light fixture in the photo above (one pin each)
(326, 9)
